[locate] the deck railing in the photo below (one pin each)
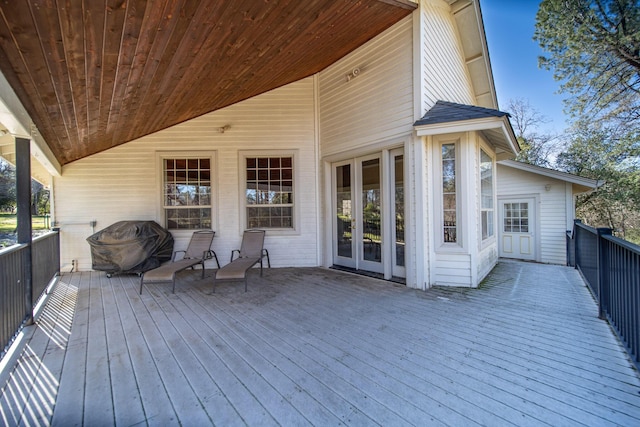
(611, 268)
(45, 261)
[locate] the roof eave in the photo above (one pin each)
(587, 183)
(475, 50)
(507, 142)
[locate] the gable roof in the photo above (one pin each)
(449, 117)
(586, 184)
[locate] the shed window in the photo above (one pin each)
(187, 193)
(516, 217)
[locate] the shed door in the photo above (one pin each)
(518, 229)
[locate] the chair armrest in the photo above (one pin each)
(176, 253)
(234, 251)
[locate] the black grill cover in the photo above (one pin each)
(130, 247)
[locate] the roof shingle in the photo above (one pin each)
(444, 112)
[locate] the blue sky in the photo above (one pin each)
(509, 26)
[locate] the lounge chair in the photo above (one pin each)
(198, 251)
(251, 252)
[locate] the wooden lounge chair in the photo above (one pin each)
(198, 251)
(251, 252)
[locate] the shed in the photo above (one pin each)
(536, 206)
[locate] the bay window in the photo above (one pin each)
(449, 194)
(486, 194)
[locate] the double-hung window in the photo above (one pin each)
(269, 191)
(187, 192)
(486, 194)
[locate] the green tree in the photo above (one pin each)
(613, 157)
(536, 147)
(39, 194)
(7, 186)
(39, 198)
(593, 48)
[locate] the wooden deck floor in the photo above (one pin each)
(322, 347)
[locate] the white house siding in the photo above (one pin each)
(552, 209)
(452, 269)
(422, 185)
(467, 263)
(487, 260)
(372, 111)
(375, 106)
(123, 183)
(488, 249)
(445, 75)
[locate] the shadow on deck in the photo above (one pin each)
(313, 346)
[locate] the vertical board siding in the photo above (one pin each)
(375, 106)
(445, 73)
(553, 214)
(122, 183)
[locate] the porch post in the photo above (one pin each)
(603, 272)
(23, 194)
(576, 232)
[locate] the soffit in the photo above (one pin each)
(93, 75)
(449, 117)
(468, 17)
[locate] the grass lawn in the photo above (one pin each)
(9, 222)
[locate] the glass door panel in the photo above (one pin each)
(398, 173)
(343, 246)
(371, 238)
(359, 230)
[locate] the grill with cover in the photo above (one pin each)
(130, 247)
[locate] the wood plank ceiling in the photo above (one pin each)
(95, 74)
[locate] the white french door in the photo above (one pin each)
(362, 240)
(397, 213)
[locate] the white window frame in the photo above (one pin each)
(242, 178)
(160, 160)
(482, 209)
(438, 142)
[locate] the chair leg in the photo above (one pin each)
(141, 282)
(216, 258)
(245, 282)
(266, 253)
(260, 267)
(214, 285)
(173, 290)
